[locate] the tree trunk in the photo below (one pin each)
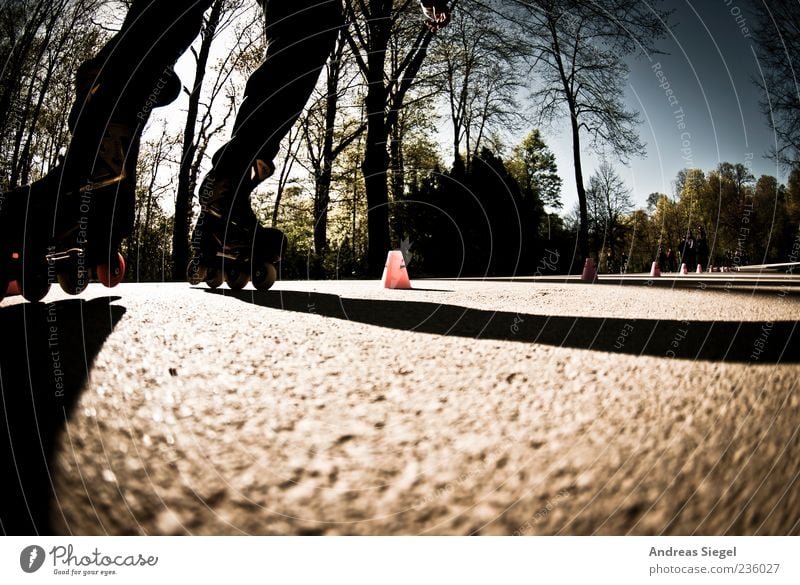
(25, 157)
(398, 176)
(583, 230)
(322, 181)
(183, 197)
(374, 168)
(11, 74)
(376, 160)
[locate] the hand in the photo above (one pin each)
(437, 15)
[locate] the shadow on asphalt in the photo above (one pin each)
(47, 353)
(747, 342)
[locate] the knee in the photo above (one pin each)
(310, 22)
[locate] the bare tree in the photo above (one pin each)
(578, 51)
(148, 245)
(371, 25)
(42, 44)
(199, 128)
(778, 38)
(327, 133)
(480, 61)
(609, 200)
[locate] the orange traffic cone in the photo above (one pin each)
(589, 271)
(395, 274)
(699, 269)
(655, 270)
(684, 270)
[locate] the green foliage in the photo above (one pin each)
(533, 166)
(745, 221)
(474, 221)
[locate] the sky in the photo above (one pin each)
(713, 114)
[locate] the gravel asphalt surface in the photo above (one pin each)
(459, 407)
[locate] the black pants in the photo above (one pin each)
(136, 63)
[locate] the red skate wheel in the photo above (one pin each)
(109, 276)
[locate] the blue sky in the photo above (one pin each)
(713, 115)
(710, 64)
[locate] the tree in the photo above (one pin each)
(793, 199)
(475, 221)
(371, 25)
(578, 49)
(147, 249)
(641, 240)
(480, 61)
(608, 201)
(777, 35)
(42, 44)
(533, 166)
(326, 135)
(652, 201)
(719, 202)
(667, 223)
(768, 223)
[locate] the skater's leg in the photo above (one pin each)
(133, 72)
(228, 237)
(300, 36)
(73, 220)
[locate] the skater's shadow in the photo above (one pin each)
(47, 352)
(746, 341)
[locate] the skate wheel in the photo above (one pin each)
(263, 278)
(214, 277)
(74, 277)
(111, 276)
(196, 272)
(236, 279)
(35, 280)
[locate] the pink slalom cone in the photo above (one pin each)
(684, 270)
(13, 286)
(655, 270)
(699, 269)
(589, 271)
(395, 274)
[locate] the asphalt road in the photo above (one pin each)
(462, 407)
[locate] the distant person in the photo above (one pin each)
(689, 252)
(702, 248)
(661, 258)
(611, 263)
(670, 260)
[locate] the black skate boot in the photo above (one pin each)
(228, 242)
(67, 226)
